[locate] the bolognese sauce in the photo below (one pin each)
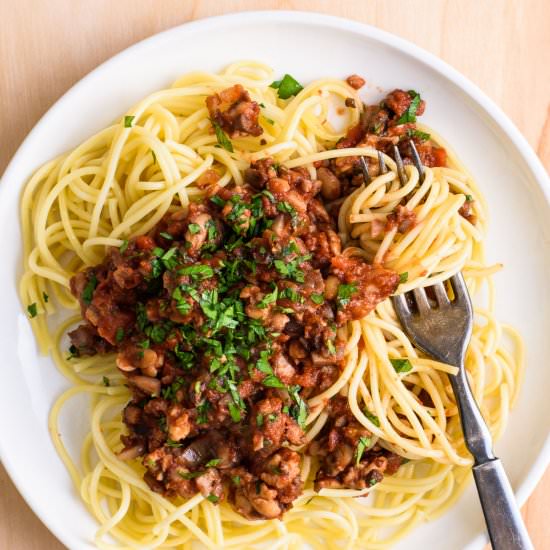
(228, 316)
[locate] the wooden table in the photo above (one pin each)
(47, 45)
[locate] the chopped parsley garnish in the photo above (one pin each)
(263, 363)
(218, 201)
(403, 277)
(198, 272)
(169, 258)
(172, 443)
(166, 235)
(123, 246)
(236, 480)
(269, 298)
(212, 498)
(194, 228)
(287, 86)
(422, 136)
(213, 462)
(286, 208)
(202, 410)
(363, 443)
(469, 198)
(170, 392)
(119, 335)
(344, 294)
(271, 381)
(128, 121)
(144, 344)
(158, 333)
(190, 475)
(234, 411)
(292, 295)
(410, 114)
(32, 310)
(372, 417)
(330, 347)
(221, 136)
(317, 299)
(141, 316)
(106, 381)
(88, 292)
(46, 297)
(299, 410)
(259, 420)
(401, 365)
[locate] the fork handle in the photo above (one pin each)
(502, 516)
(504, 523)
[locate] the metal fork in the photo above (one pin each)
(441, 328)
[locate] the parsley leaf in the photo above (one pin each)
(119, 336)
(410, 114)
(344, 293)
(234, 411)
(317, 298)
(190, 475)
(268, 299)
(106, 382)
(170, 391)
(202, 409)
(403, 277)
(372, 417)
(292, 295)
(213, 462)
(194, 228)
(401, 365)
(218, 201)
(128, 121)
(88, 292)
(364, 442)
(300, 410)
(212, 498)
(46, 297)
(169, 258)
(200, 271)
(221, 136)
(32, 310)
(271, 381)
(422, 136)
(287, 87)
(123, 246)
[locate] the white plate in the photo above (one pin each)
(307, 46)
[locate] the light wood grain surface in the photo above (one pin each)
(47, 45)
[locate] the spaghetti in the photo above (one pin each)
(121, 182)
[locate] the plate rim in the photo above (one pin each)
(308, 18)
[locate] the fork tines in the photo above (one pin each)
(405, 303)
(399, 163)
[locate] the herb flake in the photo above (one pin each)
(287, 87)
(401, 365)
(221, 136)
